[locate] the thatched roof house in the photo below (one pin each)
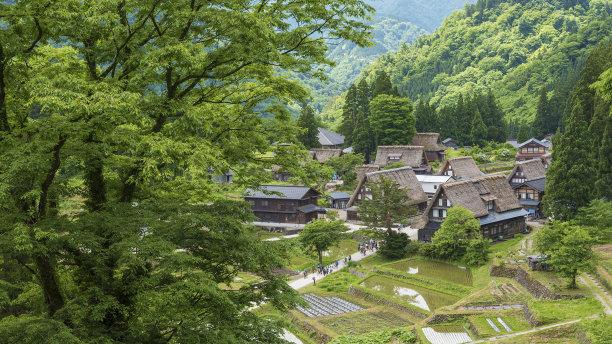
(404, 177)
(490, 198)
(527, 170)
(323, 154)
(461, 168)
(431, 141)
(363, 169)
(409, 156)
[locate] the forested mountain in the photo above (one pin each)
(513, 48)
(396, 22)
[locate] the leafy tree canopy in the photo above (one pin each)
(319, 235)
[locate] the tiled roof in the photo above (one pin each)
(329, 138)
(310, 208)
(534, 140)
(507, 215)
(339, 195)
(278, 191)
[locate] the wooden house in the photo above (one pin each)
(434, 150)
(532, 148)
(330, 140)
(339, 199)
(284, 204)
(404, 177)
(527, 180)
(461, 168)
(407, 156)
(489, 198)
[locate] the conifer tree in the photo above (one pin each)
(363, 140)
(310, 127)
(349, 114)
(494, 119)
(426, 117)
(541, 123)
(382, 85)
(603, 182)
(478, 133)
(392, 120)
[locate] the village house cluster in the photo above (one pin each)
(501, 202)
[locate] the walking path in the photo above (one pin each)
(308, 280)
(598, 291)
(533, 330)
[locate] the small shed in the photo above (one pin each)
(450, 143)
(339, 199)
(538, 263)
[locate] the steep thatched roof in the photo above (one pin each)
(412, 156)
(404, 177)
(532, 169)
(428, 140)
(363, 169)
(322, 155)
(463, 168)
(473, 194)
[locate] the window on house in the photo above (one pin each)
(448, 203)
(435, 213)
(440, 202)
(264, 203)
(541, 149)
(443, 213)
(490, 205)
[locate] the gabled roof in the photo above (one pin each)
(404, 177)
(291, 192)
(472, 194)
(532, 169)
(339, 195)
(363, 169)
(537, 184)
(513, 143)
(329, 138)
(447, 140)
(463, 168)
(310, 208)
(427, 140)
(534, 140)
(324, 154)
(412, 156)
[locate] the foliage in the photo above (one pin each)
(345, 166)
(307, 122)
(460, 238)
(597, 218)
(126, 110)
(550, 311)
(389, 205)
(319, 235)
(338, 282)
(394, 245)
(599, 331)
(512, 48)
(397, 336)
(569, 249)
(581, 160)
(392, 120)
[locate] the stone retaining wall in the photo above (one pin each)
(376, 299)
(536, 288)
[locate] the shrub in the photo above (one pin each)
(394, 245)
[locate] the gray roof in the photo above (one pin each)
(339, 195)
(545, 144)
(329, 138)
(529, 202)
(537, 184)
(513, 143)
(447, 140)
(507, 215)
(278, 191)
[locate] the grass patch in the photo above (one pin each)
(558, 335)
(550, 311)
(599, 331)
(516, 322)
(356, 323)
(263, 234)
(338, 282)
(396, 336)
(300, 260)
(273, 314)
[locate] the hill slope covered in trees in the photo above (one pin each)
(510, 47)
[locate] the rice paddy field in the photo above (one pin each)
(364, 322)
(423, 298)
(434, 269)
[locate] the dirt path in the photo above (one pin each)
(533, 330)
(600, 294)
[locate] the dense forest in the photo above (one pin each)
(517, 50)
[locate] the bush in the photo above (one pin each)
(413, 248)
(338, 282)
(394, 245)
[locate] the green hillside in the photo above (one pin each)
(511, 47)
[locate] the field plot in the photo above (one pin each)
(423, 298)
(434, 269)
(515, 322)
(364, 322)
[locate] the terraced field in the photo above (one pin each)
(434, 269)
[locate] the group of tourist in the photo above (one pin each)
(370, 245)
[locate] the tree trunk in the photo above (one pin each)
(4, 125)
(94, 179)
(49, 283)
(572, 284)
(320, 252)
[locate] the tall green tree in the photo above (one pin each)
(363, 140)
(569, 249)
(350, 113)
(478, 132)
(320, 235)
(382, 85)
(309, 125)
(425, 117)
(392, 120)
(541, 123)
(113, 116)
(389, 205)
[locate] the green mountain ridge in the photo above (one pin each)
(511, 47)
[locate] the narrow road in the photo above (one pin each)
(533, 330)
